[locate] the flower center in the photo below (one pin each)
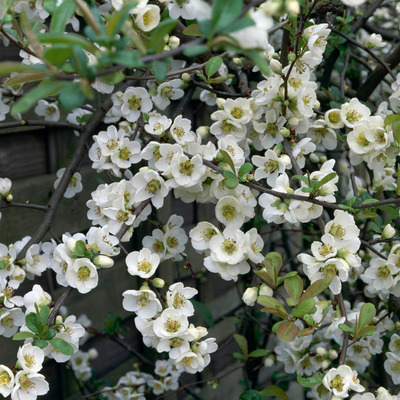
(172, 241)
(229, 212)
(125, 154)
(229, 246)
(172, 325)
(186, 168)
(153, 186)
(143, 300)
(353, 116)
(337, 383)
(83, 273)
(179, 300)
(144, 266)
(237, 112)
(134, 103)
(4, 378)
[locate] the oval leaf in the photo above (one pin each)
(287, 331)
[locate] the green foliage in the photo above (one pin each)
(311, 381)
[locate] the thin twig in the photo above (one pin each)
(368, 246)
(24, 205)
(345, 342)
(50, 124)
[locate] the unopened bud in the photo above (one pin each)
(249, 177)
(293, 7)
(265, 290)
(186, 77)
(293, 122)
(275, 66)
(9, 197)
(59, 319)
(317, 105)
(388, 232)
(220, 102)
(321, 351)
(71, 244)
(323, 159)
(93, 354)
(158, 283)
(103, 261)
(167, 48)
(325, 364)
(250, 296)
(314, 158)
(286, 159)
(269, 362)
(333, 354)
(174, 42)
(203, 131)
(237, 61)
(284, 132)
(291, 56)
(144, 169)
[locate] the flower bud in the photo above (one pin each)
(174, 42)
(250, 296)
(186, 77)
(285, 132)
(291, 56)
(333, 354)
(293, 122)
(321, 351)
(59, 319)
(286, 159)
(317, 105)
(167, 48)
(249, 177)
(203, 131)
(220, 102)
(269, 361)
(71, 244)
(93, 354)
(265, 290)
(325, 364)
(9, 197)
(202, 331)
(144, 169)
(275, 66)
(237, 61)
(323, 159)
(103, 261)
(5, 186)
(293, 7)
(314, 158)
(158, 283)
(388, 232)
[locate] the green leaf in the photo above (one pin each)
(50, 5)
(287, 331)
(160, 69)
(45, 89)
(366, 331)
(224, 13)
(238, 355)
(40, 343)
(72, 96)
(5, 8)
(7, 67)
(49, 334)
(258, 353)
(229, 174)
(117, 19)
(130, 58)
(192, 30)
(258, 59)
(275, 391)
(245, 169)
(226, 158)
(294, 286)
(238, 25)
(61, 15)
(79, 61)
(204, 311)
(2, 264)
(25, 77)
(326, 179)
(367, 314)
(272, 306)
(311, 381)
(80, 247)
(273, 264)
(70, 39)
(231, 183)
(305, 307)
(156, 40)
(33, 322)
(242, 342)
(62, 346)
(391, 118)
(23, 335)
(212, 66)
(302, 178)
(252, 395)
(58, 55)
(44, 314)
(346, 328)
(264, 275)
(316, 288)
(195, 50)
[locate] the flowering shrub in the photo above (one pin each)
(279, 114)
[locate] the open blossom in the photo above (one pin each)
(342, 379)
(142, 263)
(74, 185)
(143, 302)
(178, 298)
(166, 92)
(82, 275)
(135, 100)
(354, 112)
(30, 358)
(6, 380)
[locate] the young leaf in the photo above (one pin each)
(160, 69)
(44, 314)
(272, 306)
(212, 66)
(326, 179)
(275, 391)
(224, 13)
(264, 275)
(367, 314)
(40, 343)
(226, 158)
(301, 177)
(115, 23)
(258, 353)
(192, 30)
(245, 169)
(304, 307)
(80, 247)
(346, 328)
(238, 25)
(62, 346)
(229, 174)
(311, 381)
(72, 96)
(294, 286)
(61, 15)
(242, 342)
(7, 67)
(195, 50)
(33, 322)
(22, 335)
(273, 263)
(252, 395)
(287, 331)
(231, 183)
(316, 288)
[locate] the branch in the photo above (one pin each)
(58, 305)
(50, 124)
(368, 246)
(24, 205)
(218, 92)
(345, 342)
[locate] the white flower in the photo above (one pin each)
(270, 166)
(28, 386)
(135, 101)
(10, 320)
(166, 92)
(143, 302)
(30, 358)
(250, 296)
(6, 380)
(354, 112)
(254, 245)
(170, 324)
(142, 263)
(228, 272)
(353, 3)
(181, 130)
(321, 132)
(74, 185)
(228, 246)
(388, 231)
(317, 35)
(186, 171)
(82, 275)
(392, 367)
(201, 235)
(49, 111)
(177, 298)
(381, 274)
(239, 110)
(340, 380)
(36, 296)
(333, 118)
(147, 17)
(150, 185)
(158, 125)
(229, 211)
(375, 40)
